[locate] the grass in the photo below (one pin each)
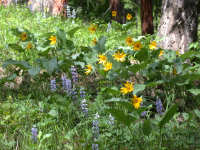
(60, 122)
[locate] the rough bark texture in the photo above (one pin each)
(147, 17)
(54, 7)
(178, 24)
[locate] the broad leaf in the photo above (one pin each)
(147, 127)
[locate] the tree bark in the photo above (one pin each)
(147, 17)
(178, 24)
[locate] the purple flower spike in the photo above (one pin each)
(34, 133)
(159, 106)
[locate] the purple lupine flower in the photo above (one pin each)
(34, 133)
(111, 120)
(159, 106)
(74, 93)
(84, 107)
(53, 84)
(95, 147)
(95, 127)
(74, 74)
(66, 84)
(82, 93)
(144, 113)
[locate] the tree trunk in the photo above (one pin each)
(54, 7)
(178, 24)
(147, 17)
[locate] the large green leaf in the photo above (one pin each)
(100, 46)
(73, 31)
(138, 88)
(34, 70)
(50, 65)
(197, 112)
(21, 64)
(121, 116)
(16, 47)
(147, 127)
(194, 91)
(168, 115)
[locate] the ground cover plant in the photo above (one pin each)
(71, 84)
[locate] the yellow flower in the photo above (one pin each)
(129, 16)
(153, 45)
(178, 53)
(94, 41)
(136, 101)
(88, 69)
(29, 45)
(23, 36)
(114, 13)
(53, 40)
(107, 66)
(137, 45)
(161, 53)
(128, 87)
(102, 59)
(92, 28)
(119, 56)
(129, 41)
(174, 71)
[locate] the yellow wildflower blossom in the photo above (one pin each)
(102, 59)
(136, 101)
(137, 45)
(107, 66)
(153, 45)
(129, 16)
(114, 13)
(23, 36)
(92, 28)
(29, 45)
(128, 87)
(119, 56)
(178, 53)
(129, 41)
(88, 69)
(53, 40)
(161, 53)
(94, 41)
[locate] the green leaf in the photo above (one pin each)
(34, 70)
(53, 113)
(16, 47)
(194, 91)
(168, 116)
(21, 64)
(197, 112)
(147, 127)
(50, 65)
(72, 31)
(142, 55)
(100, 46)
(121, 116)
(138, 88)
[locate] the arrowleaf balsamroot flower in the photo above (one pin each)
(129, 16)
(153, 45)
(92, 28)
(29, 45)
(136, 101)
(23, 36)
(128, 87)
(137, 46)
(102, 59)
(94, 41)
(119, 56)
(161, 53)
(129, 41)
(107, 66)
(53, 40)
(114, 13)
(88, 70)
